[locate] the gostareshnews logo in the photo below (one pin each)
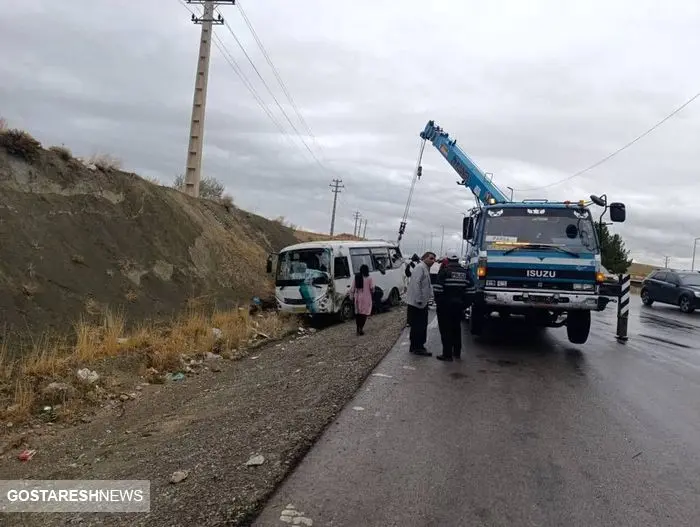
(75, 495)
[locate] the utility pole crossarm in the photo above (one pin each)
(193, 165)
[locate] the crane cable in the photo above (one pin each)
(416, 176)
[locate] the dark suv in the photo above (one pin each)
(680, 288)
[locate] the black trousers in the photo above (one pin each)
(418, 319)
(360, 321)
(450, 324)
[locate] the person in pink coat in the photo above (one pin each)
(361, 292)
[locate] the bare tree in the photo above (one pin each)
(209, 187)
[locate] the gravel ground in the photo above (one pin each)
(274, 403)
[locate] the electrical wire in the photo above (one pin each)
(276, 72)
(267, 87)
(610, 156)
(228, 57)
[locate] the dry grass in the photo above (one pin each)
(62, 152)
(638, 269)
(107, 349)
(306, 236)
(20, 144)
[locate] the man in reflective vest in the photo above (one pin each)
(451, 287)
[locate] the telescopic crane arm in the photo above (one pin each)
(472, 176)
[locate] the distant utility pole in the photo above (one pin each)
(356, 215)
(336, 188)
(193, 166)
(364, 231)
(432, 235)
(666, 259)
(442, 240)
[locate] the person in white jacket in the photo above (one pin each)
(420, 290)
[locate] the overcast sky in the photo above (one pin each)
(532, 91)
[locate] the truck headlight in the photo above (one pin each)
(583, 287)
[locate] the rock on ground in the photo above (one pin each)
(210, 425)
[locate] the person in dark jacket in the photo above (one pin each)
(451, 287)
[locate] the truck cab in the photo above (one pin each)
(538, 259)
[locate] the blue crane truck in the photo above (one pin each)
(536, 258)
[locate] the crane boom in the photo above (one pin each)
(471, 175)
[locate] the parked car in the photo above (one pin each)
(669, 286)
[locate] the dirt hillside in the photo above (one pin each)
(76, 240)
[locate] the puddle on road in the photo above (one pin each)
(657, 321)
(458, 375)
(665, 341)
(503, 362)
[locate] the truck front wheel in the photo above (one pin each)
(578, 326)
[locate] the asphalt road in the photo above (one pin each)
(527, 429)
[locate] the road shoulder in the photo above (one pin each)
(273, 404)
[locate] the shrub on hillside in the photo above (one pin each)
(152, 180)
(209, 187)
(227, 201)
(62, 152)
(105, 162)
(19, 143)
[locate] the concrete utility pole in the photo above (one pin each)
(356, 215)
(695, 245)
(666, 259)
(364, 231)
(336, 188)
(193, 165)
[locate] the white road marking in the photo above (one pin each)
(358, 408)
(382, 375)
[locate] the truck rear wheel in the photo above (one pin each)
(578, 326)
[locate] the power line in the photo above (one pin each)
(276, 72)
(610, 156)
(267, 87)
(228, 57)
(336, 188)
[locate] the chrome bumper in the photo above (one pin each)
(561, 300)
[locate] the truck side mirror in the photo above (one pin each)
(268, 268)
(467, 228)
(617, 212)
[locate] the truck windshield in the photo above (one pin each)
(571, 228)
(303, 265)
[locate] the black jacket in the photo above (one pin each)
(452, 284)
(409, 268)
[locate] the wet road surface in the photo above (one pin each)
(527, 429)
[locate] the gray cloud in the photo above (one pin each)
(532, 91)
